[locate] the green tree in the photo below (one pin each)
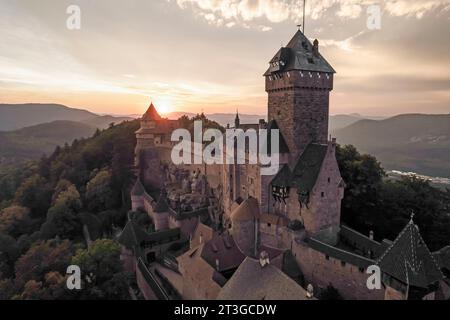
(104, 277)
(62, 219)
(43, 257)
(99, 194)
(15, 221)
(34, 193)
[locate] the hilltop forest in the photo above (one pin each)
(51, 208)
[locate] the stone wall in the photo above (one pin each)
(299, 102)
(321, 271)
(324, 208)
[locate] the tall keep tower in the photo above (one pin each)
(299, 81)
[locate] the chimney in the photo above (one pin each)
(371, 235)
(201, 238)
(316, 48)
(264, 259)
(262, 124)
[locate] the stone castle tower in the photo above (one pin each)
(299, 81)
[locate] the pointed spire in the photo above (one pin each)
(151, 114)
(409, 260)
(237, 121)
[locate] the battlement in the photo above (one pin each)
(298, 79)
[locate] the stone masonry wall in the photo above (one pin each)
(321, 271)
(299, 102)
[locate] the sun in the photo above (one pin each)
(163, 106)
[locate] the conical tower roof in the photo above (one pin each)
(151, 114)
(409, 260)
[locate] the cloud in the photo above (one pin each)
(416, 8)
(275, 11)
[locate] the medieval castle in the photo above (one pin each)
(228, 232)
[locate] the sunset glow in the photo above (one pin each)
(203, 55)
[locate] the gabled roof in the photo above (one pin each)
(132, 235)
(138, 188)
(283, 177)
(224, 250)
(151, 114)
(251, 281)
(247, 210)
(307, 169)
(409, 260)
(298, 55)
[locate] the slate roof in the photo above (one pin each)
(305, 173)
(443, 258)
(151, 114)
(138, 188)
(247, 210)
(253, 282)
(133, 235)
(283, 177)
(298, 55)
(409, 260)
(225, 250)
(307, 169)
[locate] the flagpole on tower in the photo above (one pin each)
(304, 11)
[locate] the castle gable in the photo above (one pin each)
(307, 169)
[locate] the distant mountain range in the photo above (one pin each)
(28, 131)
(17, 116)
(336, 121)
(32, 142)
(409, 142)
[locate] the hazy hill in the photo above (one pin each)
(13, 117)
(32, 142)
(17, 116)
(409, 142)
(102, 122)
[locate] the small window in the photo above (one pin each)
(269, 225)
(361, 270)
(343, 263)
(327, 257)
(322, 194)
(329, 179)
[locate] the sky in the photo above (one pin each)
(210, 55)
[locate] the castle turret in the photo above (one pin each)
(145, 135)
(237, 121)
(298, 82)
